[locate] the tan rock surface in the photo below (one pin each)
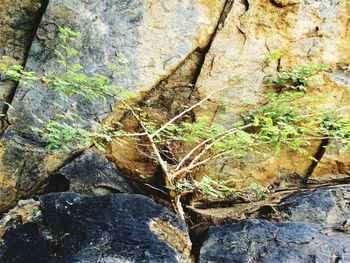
(304, 32)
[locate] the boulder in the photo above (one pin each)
(114, 228)
(262, 241)
(326, 205)
(305, 226)
(92, 174)
(321, 206)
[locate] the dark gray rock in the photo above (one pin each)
(261, 241)
(96, 52)
(93, 174)
(19, 20)
(320, 206)
(154, 37)
(113, 228)
(24, 167)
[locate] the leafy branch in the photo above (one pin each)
(281, 121)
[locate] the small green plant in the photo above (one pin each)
(297, 78)
(271, 56)
(259, 190)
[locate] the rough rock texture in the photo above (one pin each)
(77, 228)
(25, 211)
(154, 36)
(166, 43)
(333, 164)
(24, 167)
(161, 103)
(92, 174)
(18, 22)
(329, 205)
(314, 228)
(321, 206)
(262, 241)
(303, 31)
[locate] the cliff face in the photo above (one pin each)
(304, 31)
(178, 52)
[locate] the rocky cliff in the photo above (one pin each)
(178, 52)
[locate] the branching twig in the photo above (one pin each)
(220, 138)
(164, 126)
(175, 198)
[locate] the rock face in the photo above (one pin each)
(93, 174)
(161, 103)
(154, 36)
(303, 31)
(18, 22)
(77, 228)
(174, 49)
(262, 241)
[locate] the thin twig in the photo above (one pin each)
(206, 148)
(164, 126)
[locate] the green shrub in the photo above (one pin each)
(281, 121)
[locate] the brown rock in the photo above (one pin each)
(304, 32)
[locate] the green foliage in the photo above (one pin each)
(16, 72)
(273, 55)
(281, 122)
(59, 134)
(207, 185)
(297, 78)
(259, 190)
(73, 80)
(69, 78)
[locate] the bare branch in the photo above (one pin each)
(220, 136)
(164, 126)
(227, 133)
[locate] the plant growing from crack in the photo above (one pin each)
(281, 121)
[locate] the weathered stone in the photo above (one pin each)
(161, 103)
(154, 36)
(333, 165)
(25, 212)
(262, 241)
(24, 167)
(322, 206)
(303, 31)
(93, 174)
(114, 228)
(18, 22)
(328, 205)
